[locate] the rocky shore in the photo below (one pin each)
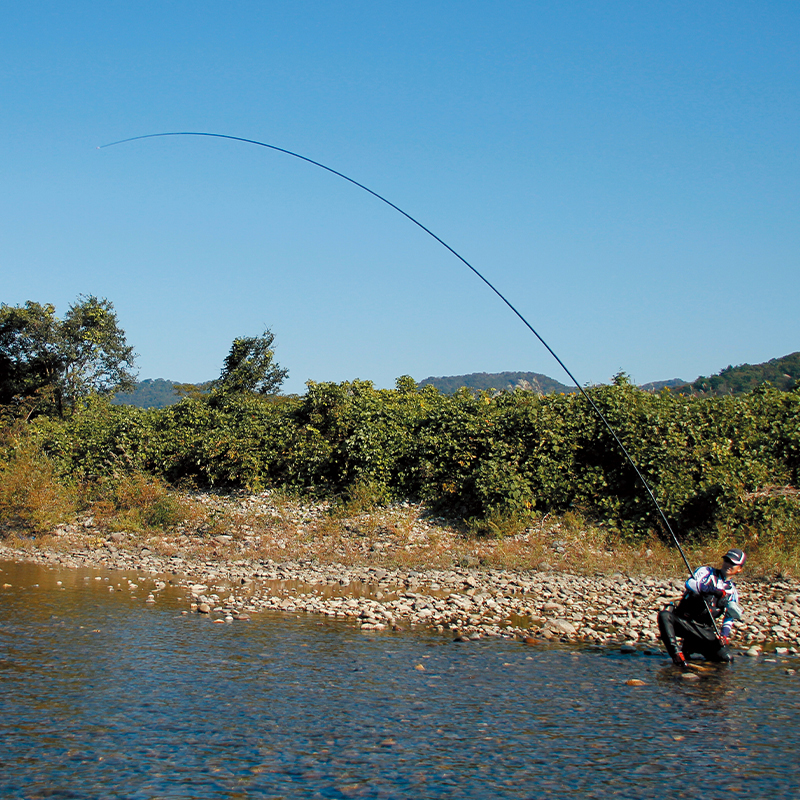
(467, 602)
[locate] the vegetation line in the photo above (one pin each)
(491, 463)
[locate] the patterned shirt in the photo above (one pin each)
(700, 597)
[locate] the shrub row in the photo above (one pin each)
(712, 463)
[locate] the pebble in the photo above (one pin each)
(466, 600)
(635, 682)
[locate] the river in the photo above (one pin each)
(105, 696)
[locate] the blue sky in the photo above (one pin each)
(626, 173)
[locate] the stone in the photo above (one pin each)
(561, 626)
(204, 608)
(635, 682)
(753, 652)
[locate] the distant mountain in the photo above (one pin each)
(783, 373)
(657, 386)
(529, 381)
(498, 381)
(156, 393)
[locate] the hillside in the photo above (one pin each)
(157, 393)
(657, 386)
(150, 393)
(783, 373)
(499, 381)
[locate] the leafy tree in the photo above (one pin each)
(251, 367)
(58, 362)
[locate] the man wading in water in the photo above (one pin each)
(711, 591)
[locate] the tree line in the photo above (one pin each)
(716, 464)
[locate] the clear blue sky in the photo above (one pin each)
(627, 173)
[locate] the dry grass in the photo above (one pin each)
(354, 532)
(138, 503)
(30, 496)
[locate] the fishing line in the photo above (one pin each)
(600, 415)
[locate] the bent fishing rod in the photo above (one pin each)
(662, 517)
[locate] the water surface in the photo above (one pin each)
(102, 696)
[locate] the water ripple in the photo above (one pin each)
(103, 697)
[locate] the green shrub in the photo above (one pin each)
(708, 460)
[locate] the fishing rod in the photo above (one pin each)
(662, 517)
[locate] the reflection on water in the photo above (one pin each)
(103, 697)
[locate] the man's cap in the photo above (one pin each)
(735, 556)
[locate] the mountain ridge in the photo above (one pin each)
(783, 373)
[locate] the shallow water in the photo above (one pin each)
(102, 696)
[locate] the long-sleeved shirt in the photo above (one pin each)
(700, 597)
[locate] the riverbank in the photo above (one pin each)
(398, 567)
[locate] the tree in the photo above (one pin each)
(251, 367)
(60, 361)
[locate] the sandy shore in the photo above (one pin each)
(397, 569)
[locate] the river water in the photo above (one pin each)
(103, 696)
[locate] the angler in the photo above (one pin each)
(710, 594)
